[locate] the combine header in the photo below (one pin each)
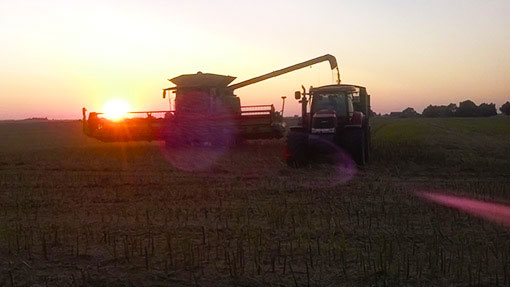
(207, 112)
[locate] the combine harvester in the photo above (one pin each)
(207, 113)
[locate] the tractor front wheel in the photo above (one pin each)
(297, 149)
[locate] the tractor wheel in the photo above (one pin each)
(357, 145)
(297, 148)
(368, 143)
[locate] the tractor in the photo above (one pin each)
(206, 113)
(334, 123)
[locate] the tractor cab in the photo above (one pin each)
(346, 103)
(330, 109)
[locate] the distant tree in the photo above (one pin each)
(431, 112)
(409, 113)
(467, 109)
(451, 109)
(505, 108)
(439, 111)
(487, 110)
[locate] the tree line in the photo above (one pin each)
(465, 109)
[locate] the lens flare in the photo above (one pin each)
(115, 109)
(494, 212)
(333, 165)
(198, 142)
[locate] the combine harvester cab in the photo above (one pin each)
(207, 112)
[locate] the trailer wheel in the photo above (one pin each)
(297, 149)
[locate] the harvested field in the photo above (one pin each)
(78, 212)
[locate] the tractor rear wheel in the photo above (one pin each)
(368, 142)
(356, 145)
(297, 149)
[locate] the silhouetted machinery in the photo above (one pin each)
(207, 112)
(335, 121)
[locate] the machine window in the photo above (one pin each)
(334, 102)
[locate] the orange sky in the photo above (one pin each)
(58, 56)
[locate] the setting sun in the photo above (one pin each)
(115, 109)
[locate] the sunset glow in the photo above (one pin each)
(115, 109)
(407, 54)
